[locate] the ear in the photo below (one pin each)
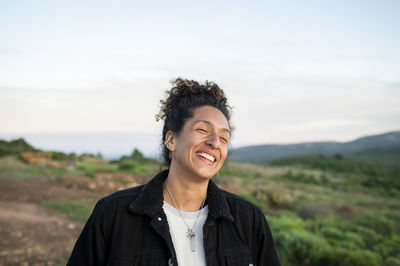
(170, 140)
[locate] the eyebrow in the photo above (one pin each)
(211, 124)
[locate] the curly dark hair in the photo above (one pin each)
(182, 99)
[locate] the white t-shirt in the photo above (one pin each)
(178, 230)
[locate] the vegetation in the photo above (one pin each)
(326, 210)
(18, 146)
(78, 211)
(14, 169)
(86, 163)
(14, 147)
(366, 239)
(136, 163)
(61, 156)
(372, 174)
(322, 209)
(92, 167)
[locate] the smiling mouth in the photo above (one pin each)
(206, 156)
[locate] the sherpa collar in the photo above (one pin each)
(150, 200)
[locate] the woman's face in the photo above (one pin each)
(201, 147)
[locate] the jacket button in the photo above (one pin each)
(170, 262)
(251, 264)
(159, 218)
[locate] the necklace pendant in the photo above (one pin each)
(192, 244)
(191, 235)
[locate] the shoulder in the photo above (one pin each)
(128, 194)
(119, 199)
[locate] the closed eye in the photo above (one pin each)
(202, 130)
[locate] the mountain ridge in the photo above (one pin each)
(266, 153)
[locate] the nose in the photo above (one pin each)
(213, 140)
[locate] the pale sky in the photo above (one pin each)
(88, 75)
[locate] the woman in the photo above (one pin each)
(181, 217)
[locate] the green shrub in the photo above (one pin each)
(301, 247)
(376, 222)
(295, 245)
(88, 168)
(390, 247)
(351, 240)
(365, 258)
(346, 257)
(286, 222)
(91, 168)
(391, 261)
(127, 165)
(332, 222)
(337, 256)
(137, 155)
(369, 236)
(395, 217)
(134, 167)
(331, 234)
(344, 239)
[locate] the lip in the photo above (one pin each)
(209, 153)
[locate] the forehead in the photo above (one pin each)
(211, 115)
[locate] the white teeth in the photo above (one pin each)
(207, 156)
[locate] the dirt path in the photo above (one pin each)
(35, 235)
(32, 235)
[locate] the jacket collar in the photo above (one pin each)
(150, 200)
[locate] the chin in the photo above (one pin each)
(206, 174)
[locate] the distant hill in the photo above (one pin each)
(387, 144)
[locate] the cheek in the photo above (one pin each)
(224, 153)
(188, 146)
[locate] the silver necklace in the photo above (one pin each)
(189, 234)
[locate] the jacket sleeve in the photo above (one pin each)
(266, 254)
(91, 246)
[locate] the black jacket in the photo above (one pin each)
(130, 227)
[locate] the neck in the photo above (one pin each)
(188, 195)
